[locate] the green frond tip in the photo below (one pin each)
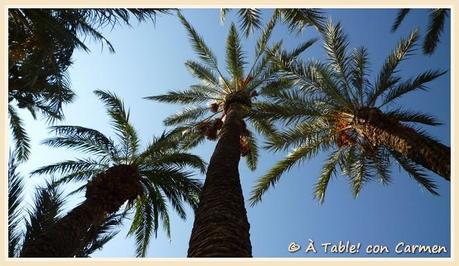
(252, 156)
(417, 173)
(436, 24)
(234, 55)
(22, 140)
(386, 76)
(181, 97)
(265, 36)
(328, 170)
(400, 17)
(250, 19)
(199, 46)
(273, 175)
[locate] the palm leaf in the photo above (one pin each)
(386, 76)
(200, 47)
(417, 173)
(250, 19)
(234, 55)
(436, 24)
(15, 197)
(400, 17)
(81, 139)
(328, 170)
(186, 115)
(22, 140)
(252, 156)
(411, 85)
(298, 18)
(120, 120)
(298, 155)
(413, 117)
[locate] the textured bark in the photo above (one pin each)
(104, 195)
(382, 130)
(221, 228)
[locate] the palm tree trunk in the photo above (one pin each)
(379, 129)
(221, 227)
(104, 195)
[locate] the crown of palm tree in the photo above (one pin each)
(45, 212)
(161, 165)
(208, 101)
(321, 111)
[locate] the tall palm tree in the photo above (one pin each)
(118, 173)
(40, 46)
(334, 107)
(45, 212)
(437, 17)
(221, 228)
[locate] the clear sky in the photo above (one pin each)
(149, 60)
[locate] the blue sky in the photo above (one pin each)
(149, 60)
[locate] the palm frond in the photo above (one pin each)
(166, 143)
(200, 47)
(250, 19)
(335, 44)
(359, 61)
(15, 197)
(417, 173)
(400, 17)
(359, 173)
(178, 159)
(436, 24)
(81, 139)
(298, 18)
(234, 55)
(328, 170)
(203, 73)
(260, 124)
(189, 96)
(252, 156)
(386, 76)
(99, 235)
(177, 185)
(304, 132)
(72, 170)
(223, 14)
(120, 120)
(299, 154)
(144, 223)
(318, 78)
(22, 140)
(300, 49)
(411, 85)
(413, 117)
(380, 161)
(186, 115)
(46, 211)
(265, 36)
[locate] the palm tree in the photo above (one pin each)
(221, 228)
(118, 173)
(437, 17)
(45, 212)
(334, 107)
(297, 19)
(41, 43)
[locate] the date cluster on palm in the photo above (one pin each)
(212, 128)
